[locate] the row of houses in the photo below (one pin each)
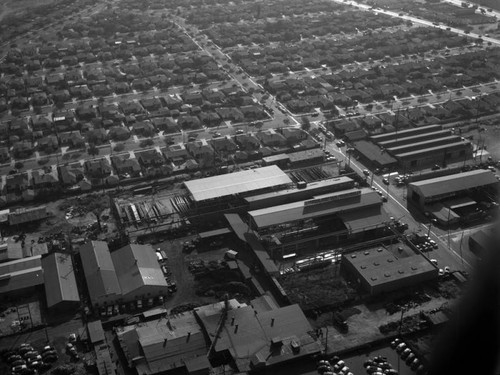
(346, 88)
(154, 163)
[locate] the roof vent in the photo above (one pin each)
(374, 278)
(414, 268)
(387, 274)
(376, 263)
(367, 253)
(353, 255)
(401, 272)
(380, 250)
(363, 267)
(390, 260)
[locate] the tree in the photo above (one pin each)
(93, 150)
(306, 123)
(18, 165)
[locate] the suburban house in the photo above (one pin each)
(72, 139)
(97, 168)
(271, 138)
(126, 166)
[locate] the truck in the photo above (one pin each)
(231, 254)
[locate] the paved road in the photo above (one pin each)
(397, 208)
(419, 21)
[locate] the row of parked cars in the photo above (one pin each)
(25, 360)
(379, 365)
(107, 311)
(408, 356)
(163, 260)
(334, 366)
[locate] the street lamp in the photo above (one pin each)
(433, 221)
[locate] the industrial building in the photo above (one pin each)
(419, 148)
(324, 220)
(380, 270)
(162, 345)
(227, 332)
(455, 197)
(128, 274)
(61, 290)
(21, 276)
(257, 337)
(294, 194)
(204, 191)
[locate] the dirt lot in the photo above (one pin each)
(24, 314)
(316, 288)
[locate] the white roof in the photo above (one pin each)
(237, 183)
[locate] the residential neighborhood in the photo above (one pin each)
(237, 187)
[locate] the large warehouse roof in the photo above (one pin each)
(20, 274)
(380, 266)
(237, 183)
(327, 204)
(453, 183)
(136, 266)
(99, 270)
(60, 281)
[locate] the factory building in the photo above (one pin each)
(422, 147)
(129, 274)
(456, 197)
(324, 220)
(22, 276)
(379, 270)
(61, 290)
(294, 194)
(210, 190)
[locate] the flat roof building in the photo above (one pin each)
(275, 198)
(61, 290)
(426, 192)
(242, 182)
(378, 270)
(322, 205)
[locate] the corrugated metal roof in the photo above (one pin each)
(136, 266)
(60, 281)
(99, 270)
(454, 183)
(300, 210)
(237, 183)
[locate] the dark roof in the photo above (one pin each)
(60, 281)
(250, 344)
(379, 266)
(20, 274)
(372, 152)
(26, 215)
(454, 183)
